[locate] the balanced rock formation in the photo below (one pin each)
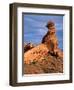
(28, 46)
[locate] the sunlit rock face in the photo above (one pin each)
(39, 60)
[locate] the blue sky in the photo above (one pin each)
(35, 27)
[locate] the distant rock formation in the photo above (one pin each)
(28, 46)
